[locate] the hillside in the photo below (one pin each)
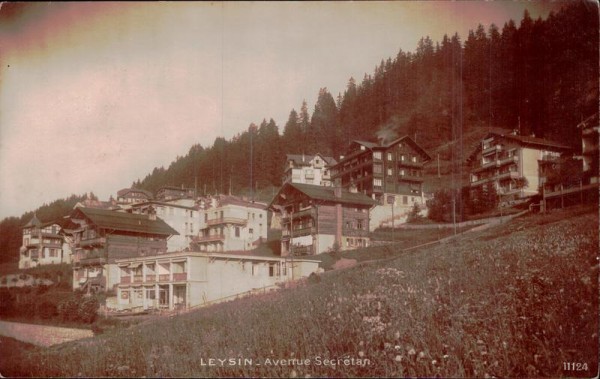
(492, 303)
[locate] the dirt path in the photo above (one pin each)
(42, 335)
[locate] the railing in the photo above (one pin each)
(212, 238)
(92, 261)
(164, 277)
(409, 163)
(125, 279)
(304, 231)
(92, 242)
(226, 220)
(35, 255)
(150, 278)
(33, 242)
(302, 250)
(138, 278)
(410, 178)
(511, 174)
(491, 149)
(179, 276)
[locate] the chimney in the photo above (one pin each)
(337, 192)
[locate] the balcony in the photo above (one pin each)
(408, 163)
(150, 278)
(304, 231)
(90, 242)
(410, 178)
(164, 277)
(125, 279)
(300, 214)
(491, 149)
(34, 254)
(34, 242)
(350, 168)
(179, 276)
(212, 238)
(497, 163)
(508, 175)
(226, 220)
(302, 250)
(138, 278)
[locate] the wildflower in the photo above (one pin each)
(397, 335)
(421, 355)
(387, 345)
(434, 362)
(293, 374)
(397, 347)
(412, 352)
(446, 356)
(398, 358)
(361, 354)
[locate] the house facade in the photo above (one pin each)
(316, 219)
(180, 215)
(386, 168)
(100, 237)
(230, 223)
(189, 279)
(308, 169)
(42, 244)
(132, 196)
(514, 165)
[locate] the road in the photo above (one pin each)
(42, 335)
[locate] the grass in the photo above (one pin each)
(492, 303)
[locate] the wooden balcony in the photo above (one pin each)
(226, 220)
(125, 279)
(164, 277)
(150, 278)
(211, 238)
(179, 276)
(302, 250)
(303, 231)
(138, 278)
(89, 242)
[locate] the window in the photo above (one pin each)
(171, 211)
(206, 217)
(402, 157)
(283, 269)
(389, 156)
(359, 224)
(414, 159)
(390, 172)
(402, 172)
(377, 155)
(53, 253)
(271, 269)
(377, 182)
(378, 169)
(237, 231)
(251, 231)
(317, 161)
(404, 199)
(254, 269)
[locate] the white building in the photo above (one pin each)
(188, 279)
(229, 223)
(181, 215)
(42, 244)
(308, 169)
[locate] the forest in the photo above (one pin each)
(539, 77)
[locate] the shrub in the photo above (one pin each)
(88, 309)
(46, 310)
(7, 302)
(68, 309)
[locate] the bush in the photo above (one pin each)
(7, 303)
(46, 310)
(88, 309)
(68, 309)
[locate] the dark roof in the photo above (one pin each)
(374, 145)
(33, 222)
(300, 159)
(165, 203)
(327, 194)
(125, 191)
(128, 222)
(535, 141)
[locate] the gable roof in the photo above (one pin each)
(33, 222)
(125, 191)
(327, 194)
(304, 159)
(375, 146)
(127, 222)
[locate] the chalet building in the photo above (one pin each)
(589, 147)
(100, 237)
(316, 219)
(308, 169)
(513, 164)
(133, 195)
(169, 193)
(385, 168)
(42, 245)
(230, 223)
(183, 218)
(189, 279)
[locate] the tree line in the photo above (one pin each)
(539, 77)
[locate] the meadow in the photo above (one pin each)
(516, 300)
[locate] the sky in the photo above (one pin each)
(93, 96)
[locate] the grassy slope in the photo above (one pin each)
(517, 300)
